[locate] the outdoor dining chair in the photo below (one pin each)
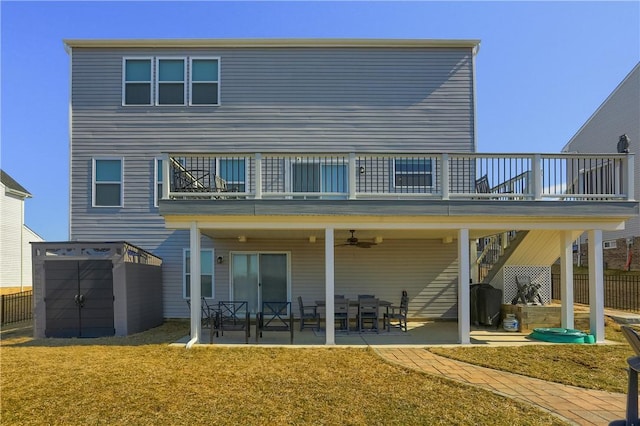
(396, 316)
(341, 312)
(309, 316)
(274, 316)
(368, 313)
(233, 316)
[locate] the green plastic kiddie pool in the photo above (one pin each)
(561, 335)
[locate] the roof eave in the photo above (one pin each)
(267, 43)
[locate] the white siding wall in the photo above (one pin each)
(28, 236)
(619, 114)
(11, 220)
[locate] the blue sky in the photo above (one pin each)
(542, 70)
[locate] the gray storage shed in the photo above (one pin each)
(95, 289)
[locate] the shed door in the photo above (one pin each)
(79, 298)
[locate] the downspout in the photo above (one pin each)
(69, 51)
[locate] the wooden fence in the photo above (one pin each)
(620, 291)
(16, 307)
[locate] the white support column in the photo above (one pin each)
(353, 174)
(537, 176)
(630, 177)
(329, 286)
(444, 178)
(194, 287)
(166, 173)
(258, 177)
(566, 280)
(464, 314)
(474, 270)
(596, 285)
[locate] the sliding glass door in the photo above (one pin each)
(258, 277)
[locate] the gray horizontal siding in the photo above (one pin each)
(278, 100)
(291, 99)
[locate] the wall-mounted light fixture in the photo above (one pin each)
(362, 170)
(378, 239)
(219, 259)
(312, 238)
(242, 239)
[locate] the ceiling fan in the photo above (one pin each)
(353, 241)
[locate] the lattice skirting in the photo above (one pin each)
(539, 275)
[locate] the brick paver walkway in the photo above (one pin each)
(573, 404)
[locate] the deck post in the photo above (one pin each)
(258, 176)
(464, 312)
(630, 175)
(444, 178)
(596, 285)
(166, 172)
(566, 280)
(194, 287)
(329, 287)
(536, 168)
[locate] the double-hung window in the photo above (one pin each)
(410, 173)
(171, 86)
(158, 181)
(137, 81)
(233, 171)
(206, 273)
(107, 182)
(204, 81)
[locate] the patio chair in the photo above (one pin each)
(341, 312)
(309, 316)
(274, 316)
(368, 313)
(633, 337)
(233, 316)
(396, 316)
(209, 317)
(482, 185)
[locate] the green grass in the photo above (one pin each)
(141, 380)
(601, 367)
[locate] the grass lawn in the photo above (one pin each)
(141, 380)
(602, 367)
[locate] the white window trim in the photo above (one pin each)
(184, 81)
(155, 181)
(190, 76)
(334, 162)
(610, 244)
(124, 79)
(93, 181)
(393, 175)
(184, 273)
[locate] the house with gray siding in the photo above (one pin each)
(263, 155)
(618, 115)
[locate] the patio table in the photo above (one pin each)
(354, 303)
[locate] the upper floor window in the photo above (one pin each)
(171, 81)
(412, 172)
(158, 183)
(137, 81)
(204, 81)
(107, 182)
(233, 171)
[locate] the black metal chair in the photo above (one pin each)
(368, 313)
(633, 337)
(233, 316)
(309, 316)
(398, 314)
(275, 316)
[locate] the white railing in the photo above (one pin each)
(215, 176)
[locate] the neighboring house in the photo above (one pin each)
(15, 236)
(618, 115)
(262, 155)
